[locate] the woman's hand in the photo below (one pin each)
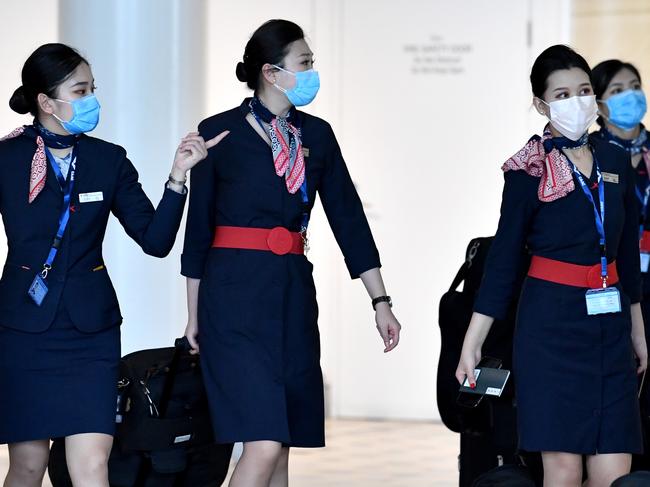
(470, 356)
(192, 150)
(192, 335)
(638, 338)
(388, 326)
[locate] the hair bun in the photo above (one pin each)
(18, 101)
(241, 73)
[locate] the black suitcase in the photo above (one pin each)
(164, 434)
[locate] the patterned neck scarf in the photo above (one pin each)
(633, 146)
(286, 143)
(43, 138)
(542, 157)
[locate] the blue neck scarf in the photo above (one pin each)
(52, 140)
(632, 146)
(561, 143)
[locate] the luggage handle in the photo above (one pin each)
(469, 261)
(181, 345)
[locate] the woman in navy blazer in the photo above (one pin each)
(58, 360)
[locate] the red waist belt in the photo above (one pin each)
(586, 276)
(644, 244)
(278, 240)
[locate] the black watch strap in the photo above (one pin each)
(382, 299)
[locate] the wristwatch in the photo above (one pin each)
(382, 299)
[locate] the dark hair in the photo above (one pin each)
(45, 69)
(553, 59)
(602, 74)
(268, 44)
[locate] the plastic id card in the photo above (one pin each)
(645, 261)
(602, 301)
(38, 289)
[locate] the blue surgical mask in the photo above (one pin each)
(307, 86)
(626, 109)
(85, 115)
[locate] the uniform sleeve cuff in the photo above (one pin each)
(492, 311)
(193, 265)
(357, 268)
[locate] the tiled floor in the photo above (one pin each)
(370, 453)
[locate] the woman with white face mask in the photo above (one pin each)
(570, 200)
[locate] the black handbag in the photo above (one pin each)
(455, 311)
(164, 434)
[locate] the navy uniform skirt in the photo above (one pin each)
(260, 348)
(57, 383)
(575, 374)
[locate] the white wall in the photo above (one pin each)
(20, 33)
(425, 141)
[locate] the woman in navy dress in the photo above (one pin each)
(622, 105)
(251, 296)
(60, 345)
(570, 199)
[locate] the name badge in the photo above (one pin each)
(602, 301)
(305, 151)
(38, 290)
(609, 177)
(91, 197)
(645, 261)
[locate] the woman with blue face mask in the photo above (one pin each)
(59, 315)
(622, 106)
(251, 298)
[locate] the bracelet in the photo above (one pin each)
(175, 181)
(382, 299)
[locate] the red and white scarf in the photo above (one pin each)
(38, 169)
(552, 167)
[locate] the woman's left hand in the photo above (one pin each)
(388, 326)
(192, 150)
(638, 338)
(641, 352)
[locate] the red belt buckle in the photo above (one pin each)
(594, 277)
(279, 241)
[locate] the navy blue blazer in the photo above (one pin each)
(79, 276)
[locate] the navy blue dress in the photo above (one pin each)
(59, 361)
(258, 330)
(642, 180)
(575, 378)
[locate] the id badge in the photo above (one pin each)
(605, 300)
(645, 261)
(38, 290)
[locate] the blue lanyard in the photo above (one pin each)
(66, 187)
(643, 199)
(303, 189)
(599, 217)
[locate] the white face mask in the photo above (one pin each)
(573, 116)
